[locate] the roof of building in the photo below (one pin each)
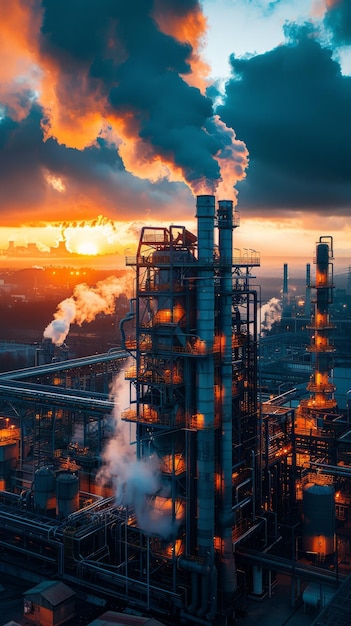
(53, 591)
(112, 618)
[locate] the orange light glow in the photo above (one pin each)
(200, 346)
(168, 316)
(218, 481)
(175, 550)
(179, 463)
(217, 392)
(219, 343)
(165, 505)
(217, 543)
(321, 544)
(198, 421)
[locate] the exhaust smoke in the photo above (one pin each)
(137, 482)
(83, 306)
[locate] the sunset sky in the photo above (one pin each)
(114, 114)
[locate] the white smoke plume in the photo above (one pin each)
(84, 305)
(136, 481)
(270, 312)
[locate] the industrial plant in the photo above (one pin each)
(164, 477)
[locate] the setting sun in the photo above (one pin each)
(88, 247)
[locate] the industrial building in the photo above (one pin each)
(194, 493)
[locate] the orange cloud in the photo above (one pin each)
(189, 28)
(19, 69)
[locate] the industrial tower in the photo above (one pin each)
(194, 406)
(314, 412)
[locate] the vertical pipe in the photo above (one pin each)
(225, 231)
(285, 287)
(205, 377)
(308, 290)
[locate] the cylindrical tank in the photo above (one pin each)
(67, 494)
(319, 519)
(44, 489)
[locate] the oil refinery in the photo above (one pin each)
(158, 475)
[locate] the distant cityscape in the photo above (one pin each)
(32, 250)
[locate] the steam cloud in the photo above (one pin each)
(136, 481)
(270, 312)
(84, 306)
(128, 75)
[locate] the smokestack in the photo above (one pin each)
(205, 214)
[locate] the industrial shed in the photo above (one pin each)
(112, 618)
(50, 603)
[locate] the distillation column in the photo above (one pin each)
(321, 347)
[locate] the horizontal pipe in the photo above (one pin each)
(193, 566)
(194, 618)
(275, 563)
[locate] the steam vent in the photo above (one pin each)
(159, 477)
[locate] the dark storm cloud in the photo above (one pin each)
(94, 174)
(292, 106)
(338, 19)
(115, 49)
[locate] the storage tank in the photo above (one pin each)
(67, 494)
(44, 489)
(319, 519)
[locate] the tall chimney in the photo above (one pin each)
(205, 377)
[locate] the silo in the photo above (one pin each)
(67, 494)
(44, 489)
(319, 519)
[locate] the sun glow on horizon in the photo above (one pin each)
(88, 248)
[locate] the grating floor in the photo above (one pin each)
(338, 611)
